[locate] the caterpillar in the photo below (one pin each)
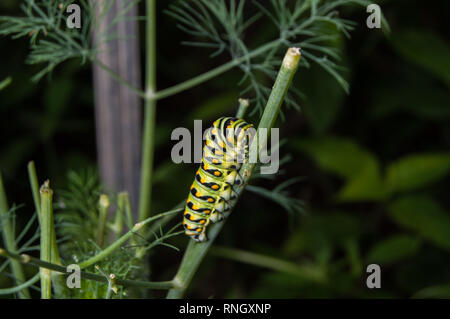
(212, 192)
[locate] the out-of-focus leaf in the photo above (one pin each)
(334, 154)
(320, 233)
(423, 215)
(393, 249)
(320, 109)
(5, 83)
(424, 102)
(441, 291)
(350, 161)
(214, 107)
(416, 171)
(56, 97)
(425, 49)
(367, 185)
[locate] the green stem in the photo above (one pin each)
(145, 197)
(9, 240)
(243, 107)
(195, 252)
(34, 183)
(46, 238)
(115, 245)
(12, 290)
(302, 271)
(57, 281)
(118, 220)
(103, 205)
(214, 72)
(27, 259)
(273, 106)
(128, 211)
(197, 80)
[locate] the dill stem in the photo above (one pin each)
(145, 196)
(190, 83)
(58, 284)
(27, 259)
(195, 252)
(118, 220)
(9, 240)
(243, 107)
(301, 271)
(116, 244)
(28, 283)
(46, 238)
(103, 205)
(214, 72)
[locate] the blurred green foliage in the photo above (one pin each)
(375, 162)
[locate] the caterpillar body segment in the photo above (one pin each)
(212, 194)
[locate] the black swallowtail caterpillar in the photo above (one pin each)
(212, 192)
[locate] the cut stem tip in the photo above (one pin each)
(291, 58)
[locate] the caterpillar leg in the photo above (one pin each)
(216, 217)
(200, 238)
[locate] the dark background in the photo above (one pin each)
(394, 121)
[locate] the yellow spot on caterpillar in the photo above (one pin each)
(214, 131)
(207, 211)
(215, 161)
(230, 139)
(215, 187)
(217, 152)
(185, 212)
(191, 217)
(194, 207)
(197, 194)
(217, 173)
(202, 180)
(199, 230)
(207, 142)
(221, 144)
(202, 221)
(210, 200)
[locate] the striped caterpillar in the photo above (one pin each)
(212, 192)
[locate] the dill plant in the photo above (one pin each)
(111, 252)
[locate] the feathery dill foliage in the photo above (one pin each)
(313, 25)
(77, 215)
(78, 221)
(51, 41)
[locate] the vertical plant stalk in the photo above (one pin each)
(116, 77)
(195, 252)
(10, 242)
(103, 205)
(118, 220)
(145, 197)
(243, 107)
(57, 279)
(46, 238)
(127, 207)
